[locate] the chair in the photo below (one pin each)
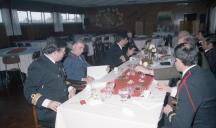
(36, 122)
(35, 117)
(36, 55)
(27, 45)
(11, 59)
(20, 45)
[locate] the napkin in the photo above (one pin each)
(97, 72)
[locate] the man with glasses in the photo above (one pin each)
(45, 85)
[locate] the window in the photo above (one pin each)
(48, 17)
(64, 18)
(71, 18)
(78, 18)
(23, 16)
(0, 17)
(36, 17)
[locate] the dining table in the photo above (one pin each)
(95, 108)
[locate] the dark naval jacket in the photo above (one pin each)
(196, 106)
(45, 81)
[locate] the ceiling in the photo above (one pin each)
(97, 3)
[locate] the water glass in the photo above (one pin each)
(109, 89)
(124, 94)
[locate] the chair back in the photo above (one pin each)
(11, 59)
(36, 55)
(27, 45)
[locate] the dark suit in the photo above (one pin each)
(196, 105)
(45, 81)
(130, 44)
(115, 56)
(211, 57)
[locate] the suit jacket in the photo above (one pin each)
(211, 57)
(203, 61)
(75, 67)
(196, 105)
(115, 56)
(45, 81)
(130, 44)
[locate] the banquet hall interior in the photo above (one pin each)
(26, 24)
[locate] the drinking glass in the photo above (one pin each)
(123, 93)
(109, 89)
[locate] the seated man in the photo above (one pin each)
(131, 43)
(201, 61)
(75, 64)
(45, 86)
(210, 53)
(196, 97)
(115, 55)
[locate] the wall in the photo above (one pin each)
(147, 13)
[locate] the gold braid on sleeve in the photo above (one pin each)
(35, 98)
(170, 116)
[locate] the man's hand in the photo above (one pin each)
(53, 105)
(167, 109)
(163, 87)
(88, 79)
(72, 92)
(130, 51)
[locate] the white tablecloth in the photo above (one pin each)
(112, 113)
(25, 58)
(137, 112)
(140, 43)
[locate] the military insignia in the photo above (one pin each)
(171, 115)
(35, 98)
(122, 58)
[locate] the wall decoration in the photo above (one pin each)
(165, 21)
(109, 18)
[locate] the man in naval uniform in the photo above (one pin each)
(196, 97)
(45, 86)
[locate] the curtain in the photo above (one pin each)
(83, 21)
(7, 21)
(15, 23)
(11, 22)
(58, 25)
(212, 26)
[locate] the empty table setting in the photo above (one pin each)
(24, 57)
